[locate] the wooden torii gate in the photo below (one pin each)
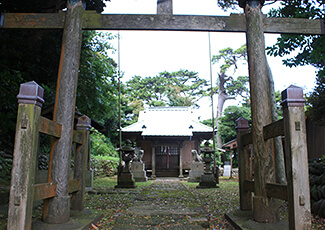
(76, 19)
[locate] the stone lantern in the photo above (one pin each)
(125, 179)
(207, 179)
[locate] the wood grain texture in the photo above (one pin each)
(57, 210)
(265, 209)
(95, 21)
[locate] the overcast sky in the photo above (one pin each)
(146, 53)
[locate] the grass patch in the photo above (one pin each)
(110, 158)
(110, 182)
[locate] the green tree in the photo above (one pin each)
(180, 88)
(228, 87)
(30, 55)
(310, 50)
(227, 122)
(97, 92)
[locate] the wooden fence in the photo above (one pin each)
(23, 190)
(293, 128)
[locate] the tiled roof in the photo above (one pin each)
(167, 121)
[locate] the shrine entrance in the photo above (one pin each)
(167, 160)
(74, 20)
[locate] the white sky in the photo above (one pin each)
(146, 53)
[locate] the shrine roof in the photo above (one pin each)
(167, 121)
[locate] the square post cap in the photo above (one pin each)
(31, 93)
(242, 3)
(293, 96)
(242, 124)
(84, 122)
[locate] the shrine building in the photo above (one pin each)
(167, 135)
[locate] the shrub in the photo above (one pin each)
(101, 145)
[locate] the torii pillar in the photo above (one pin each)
(265, 209)
(57, 209)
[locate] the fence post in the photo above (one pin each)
(296, 158)
(30, 101)
(243, 165)
(81, 161)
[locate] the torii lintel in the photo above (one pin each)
(165, 22)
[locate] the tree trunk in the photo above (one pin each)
(222, 97)
(278, 148)
(265, 208)
(57, 209)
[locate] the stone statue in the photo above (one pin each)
(196, 157)
(138, 155)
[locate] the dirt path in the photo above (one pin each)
(164, 204)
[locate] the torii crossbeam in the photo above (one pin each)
(75, 19)
(94, 21)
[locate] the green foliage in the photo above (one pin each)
(315, 102)
(238, 86)
(310, 49)
(101, 145)
(226, 5)
(228, 86)
(5, 167)
(227, 123)
(97, 83)
(181, 88)
(230, 57)
(33, 55)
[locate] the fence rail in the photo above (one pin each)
(296, 191)
(23, 190)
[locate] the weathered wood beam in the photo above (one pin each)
(50, 127)
(30, 101)
(245, 197)
(265, 209)
(77, 137)
(278, 191)
(57, 209)
(74, 185)
(249, 185)
(44, 191)
(296, 158)
(247, 139)
(95, 21)
(233, 23)
(273, 130)
(165, 7)
(32, 20)
(81, 160)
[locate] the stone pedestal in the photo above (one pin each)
(197, 170)
(207, 180)
(138, 171)
(125, 181)
(125, 178)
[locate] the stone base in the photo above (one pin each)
(207, 181)
(125, 180)
(78, 220)
(244, 220)
(197, 170)
(138, 171)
